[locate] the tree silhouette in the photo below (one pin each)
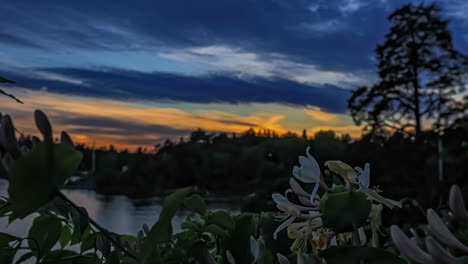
(419, 72)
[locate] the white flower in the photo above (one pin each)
(364, 182)
(364, 175)
(309, 172)
(342, 169)
(408, 247)
(257, 248)
(292, 211)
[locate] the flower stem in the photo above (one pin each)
(96, 225)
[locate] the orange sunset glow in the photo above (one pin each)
(210, 117)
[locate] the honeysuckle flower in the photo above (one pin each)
(439, 255)
(322, 238)
(416, 237)
(408, 247)
(364, 182)
(342, 169)
(257, 248)
(309, 172)
(304, 229)
(288, 207)
(291, 212)
(297, 189)
(362, 236)
(440, 231)
(302, 195)
(457, 204)
(364, 175)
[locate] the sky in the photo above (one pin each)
(134, 73)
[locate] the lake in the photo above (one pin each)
(117, 213)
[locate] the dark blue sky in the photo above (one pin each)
(296, 53)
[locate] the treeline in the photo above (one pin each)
(262, 163)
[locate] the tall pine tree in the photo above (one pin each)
(419, 73)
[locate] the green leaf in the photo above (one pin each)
(341, 211)
(238, 242)
(268, 225)
(222, 219)
(162, 230)
(44, 233)
(7, 255)
(200, 251)
(5, 239)
(216, 230)
(3, 80)
(38, 175)
(65, 237)
(113, 258)
(61, 257)
(355, 255)
(196, 204)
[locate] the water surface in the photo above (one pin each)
(116, 213)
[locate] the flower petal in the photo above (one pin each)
(314, 192)
(283, 226)
(377, 197)
(230, 257)
(457, 204)
(364, 175)
(342, 169)
(407, 247)
(440, 231)
(297, 189)
(282, 259)
(284, 204)
(253, 248)
(438, 253)
(362, 236)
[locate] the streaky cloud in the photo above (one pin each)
(158, 86)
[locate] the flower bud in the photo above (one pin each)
(35, 140)
(7, 161)
(24, 150)
(457, 204)
(342, 169)
(282, 259)
(8, 137)
(407, 247)
(439, 255)
(43, 124)
(440, 231)
(230, 257)
(66, 139)
(103, 245)
(146, 229)
(297, 189)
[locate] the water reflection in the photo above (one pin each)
(116, 213)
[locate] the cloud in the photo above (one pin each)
(221, 87)
(121, 127)
(129, 124)
(235, 60)
(351, 6)
(17, 41)
(262, 27)
(319, 115)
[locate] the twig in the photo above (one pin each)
(96, 225)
